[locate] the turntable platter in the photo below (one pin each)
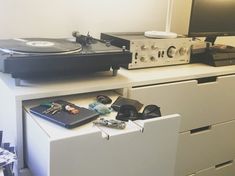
(39, 45)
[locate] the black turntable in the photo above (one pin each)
(40, 57)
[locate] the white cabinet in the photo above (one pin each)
(208, 118)
(144, 148)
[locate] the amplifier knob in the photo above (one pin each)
(143, 59)
(182, 51)
(152, 58)
(154, 47)
(143, 47)
(171, 51)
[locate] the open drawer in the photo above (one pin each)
(142, 148)
(200, 103)
(205, 147)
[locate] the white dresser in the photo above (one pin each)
(204, 97)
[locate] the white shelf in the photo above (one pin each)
(59, 87)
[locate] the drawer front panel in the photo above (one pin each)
(142, 147)
(199, 104)
(224, 170)
(204, 148)
(132, 154)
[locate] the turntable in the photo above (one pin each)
(42, 57)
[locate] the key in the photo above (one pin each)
(55, 108)
(110, 123)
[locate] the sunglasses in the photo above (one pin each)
(129, 112)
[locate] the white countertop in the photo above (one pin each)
(157, 75)
(105, 80)
(59, 87)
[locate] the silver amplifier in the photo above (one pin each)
(149, 52)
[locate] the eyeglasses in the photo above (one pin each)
(129, 112)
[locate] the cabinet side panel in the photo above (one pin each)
(36, 147)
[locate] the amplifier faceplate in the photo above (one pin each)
(148, 52)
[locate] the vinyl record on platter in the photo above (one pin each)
(40, 46)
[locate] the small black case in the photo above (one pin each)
(126, 101)
(64, 118)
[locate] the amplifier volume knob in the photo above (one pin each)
(171, 51)
(182, 51)
(154, 47)
(143, 59)
(143, 47)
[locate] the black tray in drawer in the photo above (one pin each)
(64, 118)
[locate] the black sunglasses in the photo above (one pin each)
(129, 112)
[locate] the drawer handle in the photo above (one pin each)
(198, 130)
(224, 164)
(206, 80)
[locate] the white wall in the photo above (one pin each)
(180, 16)
(58, 18)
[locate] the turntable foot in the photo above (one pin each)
(17, 81)
(115, 72)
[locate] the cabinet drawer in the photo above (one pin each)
(205, 147)
(143, 147)
(199, 104)
(223, 169)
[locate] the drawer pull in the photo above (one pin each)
(198, 130)
(207, 80)
(224, 164)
